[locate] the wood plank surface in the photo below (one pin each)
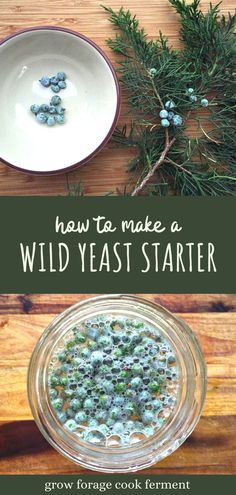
(209, 450)
(55, 303)
(211, 447)
(107, 171)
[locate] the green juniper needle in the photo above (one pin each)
(167, 90)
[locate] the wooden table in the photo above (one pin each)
(212, 446)
(107, 171)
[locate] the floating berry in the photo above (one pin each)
(85, 352)
(147, 417)
(204, 102)
(41, 117)
(171, 360)
(61, 416)
(70, 413)
(163, 114)
(153, 386)
(70, 344)
(68, 393)
(81, 417)
(88, 404)
(136, 382)
(52, 393)
(57, 404)
(115, 413)
(82, 393)
(117, 353)
(101, 416)
(45, 81)
(104, 340)
(156, 404)
(103, 429)
(80, 338)
(64, 381)
(144, 396)
(96, 358)
(76, 361)
(148, 431)
(70, 424)
(108, 387)
(165, 122)
(92, 423)
(75, 404)
(120, 387)
(137, 369)
(119, 400)
(62, 356)
(190, 91)
(129, 408)
(105, 401)
(118, 427)
(88, 383)
(139, 350)
(93, 334)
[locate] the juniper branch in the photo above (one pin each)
(183, 165)
(153, 169)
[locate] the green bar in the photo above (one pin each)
(207, 231)
(117, 484)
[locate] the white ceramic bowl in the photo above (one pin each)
(91, 99)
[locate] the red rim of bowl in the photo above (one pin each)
(118, 100)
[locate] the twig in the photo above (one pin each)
(156, 92)
(208, 137)
(168, 160)
(156, 165)
(162, 158)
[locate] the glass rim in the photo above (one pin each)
(69, 445)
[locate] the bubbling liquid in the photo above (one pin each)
(113, 381)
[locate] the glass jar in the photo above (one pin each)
(175, 430)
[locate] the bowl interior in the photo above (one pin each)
(90, 99)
